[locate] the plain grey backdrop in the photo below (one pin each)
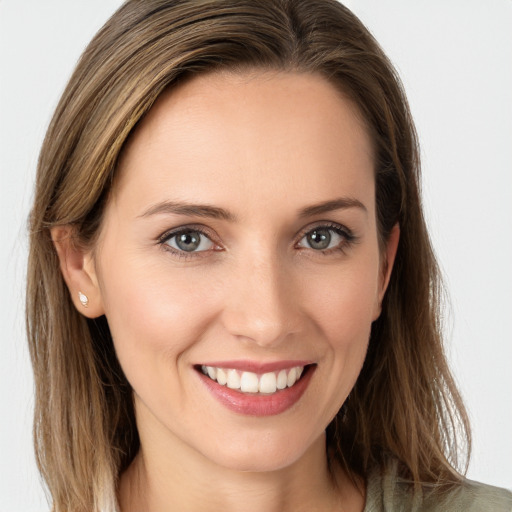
(455, 59)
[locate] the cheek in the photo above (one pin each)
(154, 315)
(342, 306)
(343, 303)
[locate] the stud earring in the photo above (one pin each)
(84, 300)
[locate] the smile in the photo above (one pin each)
(250, 382)
(257, 390)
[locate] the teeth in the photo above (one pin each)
(222, 378)
(268, 383)
(282, 379)
(292, 377)
(250, 382)
(212, 372)
(233, 379)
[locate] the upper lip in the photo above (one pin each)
(257, 366)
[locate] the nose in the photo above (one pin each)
(262, 305)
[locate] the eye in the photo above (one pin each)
(188, 240)
(324, 238)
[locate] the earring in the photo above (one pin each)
(84, 300)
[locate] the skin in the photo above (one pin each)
(263, 146)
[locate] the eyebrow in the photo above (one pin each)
(195, 210)
(214, 212)
(341, 203)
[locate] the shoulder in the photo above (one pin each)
(388, 493)
(470, 496)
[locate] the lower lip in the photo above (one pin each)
(257, 404)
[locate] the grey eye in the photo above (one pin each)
(322, 238)
(319, 238)
(190, 241)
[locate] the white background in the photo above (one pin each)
(455, 58)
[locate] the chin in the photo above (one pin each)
(265, 453)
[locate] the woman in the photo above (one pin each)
(232, 299)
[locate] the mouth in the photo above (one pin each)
(264, 391)
(266, 383)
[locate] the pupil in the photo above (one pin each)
(188, 241)
(319, 239)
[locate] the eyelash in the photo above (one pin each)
(349, 239)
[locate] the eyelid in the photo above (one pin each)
(326, 224)
(203, 230)
(350, 238)
(184, 255)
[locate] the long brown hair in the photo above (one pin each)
(404, 406)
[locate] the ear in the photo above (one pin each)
(79, 272)
(387, 262)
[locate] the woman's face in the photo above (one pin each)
(240, 241)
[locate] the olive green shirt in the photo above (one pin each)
(388, 493)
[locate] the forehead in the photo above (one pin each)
(259, 135)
